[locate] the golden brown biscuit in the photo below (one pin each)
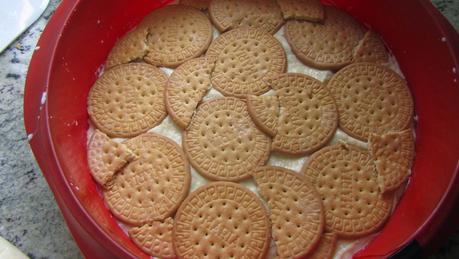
(128, 99)
(222, 141)
(244, 58)
(152, 187)
(371, 99)
(325, 46)
(345, 177)
(296, 210)
(308, 116)
(176, 33)
(222, 220)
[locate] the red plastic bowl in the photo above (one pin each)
(80, 34)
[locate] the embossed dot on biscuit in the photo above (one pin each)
(325, 46)
(371, 99)
(346, 179)
(176, 33)
(153, 186)
(308, 116)
(222, 141)
(244, 59)
(222, 220)
(128, 99)
(296, 210)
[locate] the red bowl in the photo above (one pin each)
(81, 33)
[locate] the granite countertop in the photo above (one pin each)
(29, 216)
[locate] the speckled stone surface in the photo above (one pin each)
(450, 9)
(29, 217)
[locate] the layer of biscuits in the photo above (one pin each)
(169, 129)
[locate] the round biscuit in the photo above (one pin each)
(325, 46)
(264, 111)
(371, 98)
(263, 15)
(223, 143)
(222, 220)
(155, 238)
(393, 154)
(345, 177)
(308, 115)
(296, 210)
(244, 58)
(128, 99)
(153, 186)
(308, 10)
(176, 33)
(186, 87)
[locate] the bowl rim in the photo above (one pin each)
(36, 122)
